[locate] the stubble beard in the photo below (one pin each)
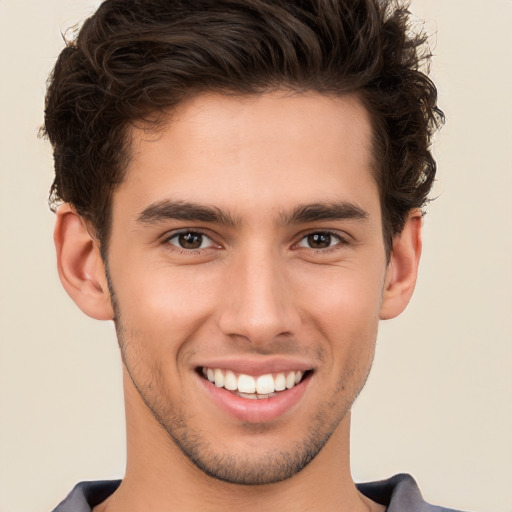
(243, 468)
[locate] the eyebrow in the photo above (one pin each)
(342, 210)
(182, 210)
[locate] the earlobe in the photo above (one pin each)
(80, 266)
(402, 268)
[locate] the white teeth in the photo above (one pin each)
(219, 378)
(290, 380)
(247, 386)
(230, 382)
(265, 384)
(280, 382)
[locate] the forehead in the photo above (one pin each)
(269, 151)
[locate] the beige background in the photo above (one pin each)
(439, 401)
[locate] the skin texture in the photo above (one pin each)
(257, 290)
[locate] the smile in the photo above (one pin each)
(253, 387)
(255, 391)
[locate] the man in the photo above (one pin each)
(239, 187)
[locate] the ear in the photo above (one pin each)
(80, 266)
(402, 267)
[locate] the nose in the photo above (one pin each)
(258, 304)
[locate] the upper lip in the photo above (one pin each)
(257, 366)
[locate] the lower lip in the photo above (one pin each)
(256, 410)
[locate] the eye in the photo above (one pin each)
(320, 240)
(190, 240)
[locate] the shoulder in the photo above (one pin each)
(87, 495)
(400, 494)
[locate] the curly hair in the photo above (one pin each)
(136, 60)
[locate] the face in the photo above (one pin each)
(246, 265)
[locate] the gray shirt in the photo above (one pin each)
(399, 494)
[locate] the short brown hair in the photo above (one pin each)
(136, 58)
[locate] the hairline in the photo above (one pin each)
(156, 121)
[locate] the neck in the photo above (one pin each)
(159, 477)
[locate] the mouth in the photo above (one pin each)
(254, 387)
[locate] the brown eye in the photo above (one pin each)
(319, 240)
(190, 240)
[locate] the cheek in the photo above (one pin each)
(160, 311)
(157, 302)
(341, 296)
(343, 307)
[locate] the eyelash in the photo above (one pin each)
(199, 251)
(341, 241)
